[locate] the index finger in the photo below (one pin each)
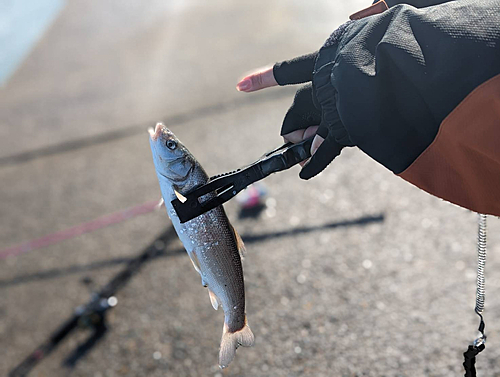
(294, 71)
(262, 78)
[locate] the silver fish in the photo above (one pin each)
(210, 241)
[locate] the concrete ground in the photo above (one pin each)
(354, 273)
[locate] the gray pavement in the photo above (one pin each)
(354, 273)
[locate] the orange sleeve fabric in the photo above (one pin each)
(378, 7)
(462, 164)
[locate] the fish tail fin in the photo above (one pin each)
(231, 341)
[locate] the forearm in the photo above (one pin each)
(400, 74)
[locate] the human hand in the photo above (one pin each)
(303, 119)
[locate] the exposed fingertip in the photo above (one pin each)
(303, 163)
(244, 85)
(317, 141)
(294, 136)
(310, 131)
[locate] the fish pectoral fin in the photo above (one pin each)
(239, 242)
(213, 299)
(195, 261)
(179, 196)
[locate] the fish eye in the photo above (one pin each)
(171, 144)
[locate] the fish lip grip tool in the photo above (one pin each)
(226, 186)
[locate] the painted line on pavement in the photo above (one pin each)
(90, 226)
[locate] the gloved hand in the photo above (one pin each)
(304, 118)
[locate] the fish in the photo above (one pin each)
(213, 245)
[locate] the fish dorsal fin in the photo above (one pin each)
(213, 299)
(179, 196)
(195, 261)
(239, 242)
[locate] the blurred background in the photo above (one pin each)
(354, 273)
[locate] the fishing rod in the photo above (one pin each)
(92, 315)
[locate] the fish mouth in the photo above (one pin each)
(156, 132)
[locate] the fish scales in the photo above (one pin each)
(211, 242)
(213, 245)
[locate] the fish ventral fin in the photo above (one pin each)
(239, 242)
(213, 299)
(231, 341)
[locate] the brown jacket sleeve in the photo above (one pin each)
(462, 165)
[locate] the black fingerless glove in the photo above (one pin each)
(295, 71)
(303, 113)
(306, 111)
(325, 154)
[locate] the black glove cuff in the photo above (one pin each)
(327, 97)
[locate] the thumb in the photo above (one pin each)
(325, 154)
